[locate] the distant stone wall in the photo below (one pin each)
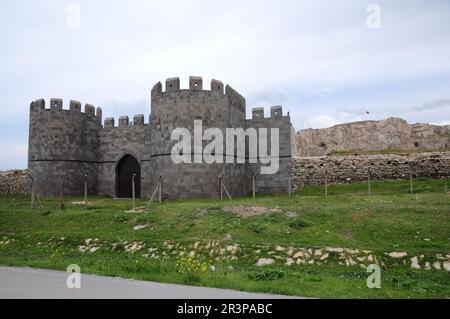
(391, 133)
(348, 169)
(13, 182)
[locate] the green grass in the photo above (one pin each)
(386, 151)
(389, 220)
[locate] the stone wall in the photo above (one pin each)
(13, 182)
(348, 169)
(66, 144)
(392, 133)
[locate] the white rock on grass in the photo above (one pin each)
(398, 254)
(138, 227)
(289, 261)
(264, 261)
(334, 249)
(415, 263)
(446, 265)
(299, 254)
(324, 256)
(427, 266)
(437, 265)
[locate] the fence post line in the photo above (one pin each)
(410, 179)
(61, 197)
(133, 190)
(289, 187)
(254, 184)
(85, 190)
(160, 189)
(221, 188)
(32, 192)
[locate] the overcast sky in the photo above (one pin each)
(319, 59)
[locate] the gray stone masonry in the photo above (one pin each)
(66, 144)
(348, 169)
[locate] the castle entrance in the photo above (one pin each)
(127, 166)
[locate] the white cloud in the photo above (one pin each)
(324, 120)
(441, 123)
(316, 58)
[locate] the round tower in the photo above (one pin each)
(220, 107)
(63, 147)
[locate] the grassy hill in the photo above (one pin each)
(314, 245)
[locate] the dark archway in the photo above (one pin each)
(126, 167)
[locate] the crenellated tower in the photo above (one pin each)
(66, 144)
(63, 146)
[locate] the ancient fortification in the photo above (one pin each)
(65, 145)
(68, 146)
(392, 133)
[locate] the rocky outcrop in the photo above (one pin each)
(13, 182)
(391, 133)
(348, 169)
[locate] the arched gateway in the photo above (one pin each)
(126, 167)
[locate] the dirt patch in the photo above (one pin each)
(248, 211)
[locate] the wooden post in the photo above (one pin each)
(160, 188)
(221, 188)
(289, 187)
(133, 191)
(154, 191)
(85, 191)
(61, 197)
(254, 184)
(410, 180)
(369, 186)
(326, 183)
(32, 192)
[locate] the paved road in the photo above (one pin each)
(39, 283)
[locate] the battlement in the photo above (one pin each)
(124, 121)
(276, 111)
(56, 104)
(195, 84)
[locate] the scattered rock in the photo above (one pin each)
(264, 261)
(446, 265)
(334, 249)
(437, 265)
(137, 210)
(397, 254)
(289, 261)
(324, 256)
(138, 227)
(415, 263)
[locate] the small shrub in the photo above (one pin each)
(121, 218)
(191, 278)
(298, 224)
(267, 274)
(256, 228)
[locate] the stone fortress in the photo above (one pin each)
(68, 145)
